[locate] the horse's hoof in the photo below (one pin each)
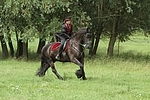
(78, 73)
(60, 78)
(84, 78)
(40, 75)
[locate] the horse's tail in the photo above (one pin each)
(44, 66)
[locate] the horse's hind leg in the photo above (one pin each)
(43, 68)
(54, 70)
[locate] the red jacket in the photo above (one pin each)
(67, 28)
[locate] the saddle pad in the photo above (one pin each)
(55, 46)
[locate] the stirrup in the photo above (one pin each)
(57, 57)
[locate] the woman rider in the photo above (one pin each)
(65, 34)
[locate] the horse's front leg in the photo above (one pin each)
(83, 73)
(54, 70)
(82, 69)
(81, 64)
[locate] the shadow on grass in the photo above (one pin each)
(136, 56)
(67, 77)
(93, 78)
(129, 55)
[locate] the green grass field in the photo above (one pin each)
(126, 77)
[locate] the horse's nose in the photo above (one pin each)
(89, 46)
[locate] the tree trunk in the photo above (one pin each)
(95, 43)
(19, 52)
(113, 37)
(99, 27)
(5, 53)
(22, 47)
(99, 32)
(92, 44)
(11, 47)
(10, 42)
(25, 49)
(40, 45)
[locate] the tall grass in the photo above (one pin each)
(107, 79)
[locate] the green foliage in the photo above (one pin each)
(22, 15)
(31, 19)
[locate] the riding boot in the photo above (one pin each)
(58, 56)
(59, 51)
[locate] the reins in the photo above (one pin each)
(72, 41)
(75, 48)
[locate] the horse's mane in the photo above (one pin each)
(81, 31)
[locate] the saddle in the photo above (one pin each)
(55, 45)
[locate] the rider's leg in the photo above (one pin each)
(60, 48)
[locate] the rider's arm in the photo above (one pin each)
(71, 34)
(63, 28)
(64, 32)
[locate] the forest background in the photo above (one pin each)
(24, 21)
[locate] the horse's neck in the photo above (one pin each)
(78, 36)
(77, 42)
(77, 39)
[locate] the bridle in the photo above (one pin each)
(74, 47)
(83, 45)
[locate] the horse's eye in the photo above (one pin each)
(88, 36)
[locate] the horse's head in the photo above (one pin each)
(83, 37)
(87, 38)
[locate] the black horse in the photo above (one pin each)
(73, 52)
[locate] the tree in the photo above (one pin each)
(2, 39)
(115, 20)
(38, 19)
(48, 16)
(33, 19)
(95, 10)
(127, 19)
